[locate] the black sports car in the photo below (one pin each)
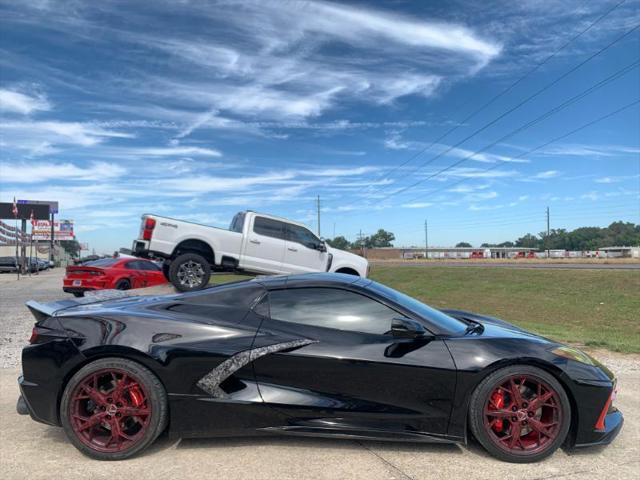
(319, 354)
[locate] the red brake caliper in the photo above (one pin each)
(136, 396)
(498, 400)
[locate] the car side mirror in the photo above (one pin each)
(321, 247)
(407, 328)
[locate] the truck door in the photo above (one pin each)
(303, 252)
(264, 245)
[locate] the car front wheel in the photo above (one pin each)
(113, 408)
(520, 414)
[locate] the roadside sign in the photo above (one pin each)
(53, 206)
(62, 230)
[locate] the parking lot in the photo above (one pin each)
(35, 451)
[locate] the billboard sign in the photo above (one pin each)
(62, 230)
(24, 211)
(53, 206)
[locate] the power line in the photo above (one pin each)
(490, 221)
(527, 125)
(505, 91)
(521, 103)
(535, 149)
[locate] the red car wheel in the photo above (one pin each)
(113, 408)
(520, 414)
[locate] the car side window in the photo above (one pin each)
(148, 266)
(331, 308)
(136, 265)
(268, 227)
(296, 233)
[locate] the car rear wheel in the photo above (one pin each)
(520, 414)
(189, 271)
(113, 408)
(123, 285)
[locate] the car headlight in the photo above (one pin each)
(574, 354)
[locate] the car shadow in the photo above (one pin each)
(316, 443)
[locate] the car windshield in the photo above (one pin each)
(444, 321)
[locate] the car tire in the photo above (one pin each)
(539, 431)
(146, 420)
(189, 272)
(123, 285)
(165, 269)
(78, 294)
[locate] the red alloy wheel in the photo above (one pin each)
(523, 415)
(109, 410)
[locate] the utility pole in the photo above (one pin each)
(426, 240)
(334, 229)
(51, 258)
(318, 205)
(548, 233)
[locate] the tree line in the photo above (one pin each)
(583, 238)
(381, 238)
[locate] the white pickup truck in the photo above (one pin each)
(254, 242)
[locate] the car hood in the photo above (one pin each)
(496, 327)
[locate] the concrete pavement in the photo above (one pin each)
(35, 451)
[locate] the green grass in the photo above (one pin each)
(596, 308)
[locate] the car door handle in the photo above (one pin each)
(257, 242)
(292, 249)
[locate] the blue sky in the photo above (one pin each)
(198, 109)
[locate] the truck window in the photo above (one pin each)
(237, 223)
(269, 227)
(301, 235)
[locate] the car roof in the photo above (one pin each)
(320, 279)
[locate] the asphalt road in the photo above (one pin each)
(35, 451)
(523, 264)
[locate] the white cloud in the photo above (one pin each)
(42, 136)
(339, 172)
(470, 172)
(616, 179)
(33, 172)
(417, 205)
(166, 151)
(15, 102)
(547, 174)
(589, 150)
(272, 63)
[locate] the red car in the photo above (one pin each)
(106, 273)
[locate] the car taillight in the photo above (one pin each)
(34, 336)
(600, 423)
(149, 225)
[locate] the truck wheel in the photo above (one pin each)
(189, 272)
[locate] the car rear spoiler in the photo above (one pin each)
(43, 310)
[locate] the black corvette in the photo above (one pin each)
(319, 354)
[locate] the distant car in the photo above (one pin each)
(323, 354)
(112, 273)
(8, 264)
(43, 264)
